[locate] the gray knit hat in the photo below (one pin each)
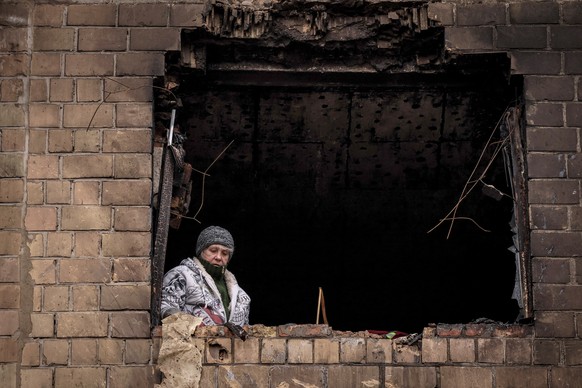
(214, 235)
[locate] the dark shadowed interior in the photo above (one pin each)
(335, 180)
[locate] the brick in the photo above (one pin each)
(540, 88)
(9, 351)
(554, 324)
(11, 115)
(572, 12)
(55, 352)
(61, 90)
(566, 37)
(142, 376)
(480, 14)
(102, 39)
(10, 243)
(14, 64)
(9, 271)
(576, 218)
(143, 14)
(89, 90)
(43, 325)
(37, 298)
(44, 115)
(9, 296)
(572, 63)
(86, 218)
(546, 352)
(133, 166)
(573, 352)
(126, 297)
(129, 192)
(552, 139)
(131, 270)
(421, 377)
(82, 324)
(405, 354)
(532, 62)
(80, 377)
(11, 165)
(87, 244)
(59, 244)
(379, 351)
(127, 141)
(326, 350)
(10, 217)
(37, 142)
(45, 64)
(247, 351)
(10, 322)
(110, 351)
(434, 350)
(469, 38)
(150, 64)
(273, 351)
(53, 39)
(534, 13)
(87, 140)
(13, 140)
(85, 298)
(130, 325)
(56, 298)
(86, 193)
(138, 351)
(521, 377)
(557, 297)
(219, 351)
(574, 164)
(187, 15)
(353, 350)
(11, 90)
(352, 376)
(43, 271)
(91, 15)
(129, 89)
(554, 244)
(545, 270)
(475, 377)
(132, 219)
(36, 244)
(490, 350)
(154, 39)
(548, 217)
(134, 115)
(89, 64)
(564, 377)
(83, 352)
(574, 114)
(244, 376)
(31, 354)
(518, 351)
(300, 351)
(58, 192)
(554, 192)
(8, 375)
(48, 15)
(462, 350)
(545, 114)
(43, 167)
(13, 39)
(88, 116)
(35, 193)
(14, 14)
(37, 377)
(297, 376)
(85, 270)
(41, 218)
(88, 166)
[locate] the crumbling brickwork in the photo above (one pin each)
(76, 122)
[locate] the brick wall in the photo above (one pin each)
(76, 210)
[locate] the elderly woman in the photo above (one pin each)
(203, 287)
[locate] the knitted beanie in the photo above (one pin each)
(214, 235)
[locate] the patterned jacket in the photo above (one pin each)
(189, 288)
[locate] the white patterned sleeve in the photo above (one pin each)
(173, 293)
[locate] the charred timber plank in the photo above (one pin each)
(161, 237)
